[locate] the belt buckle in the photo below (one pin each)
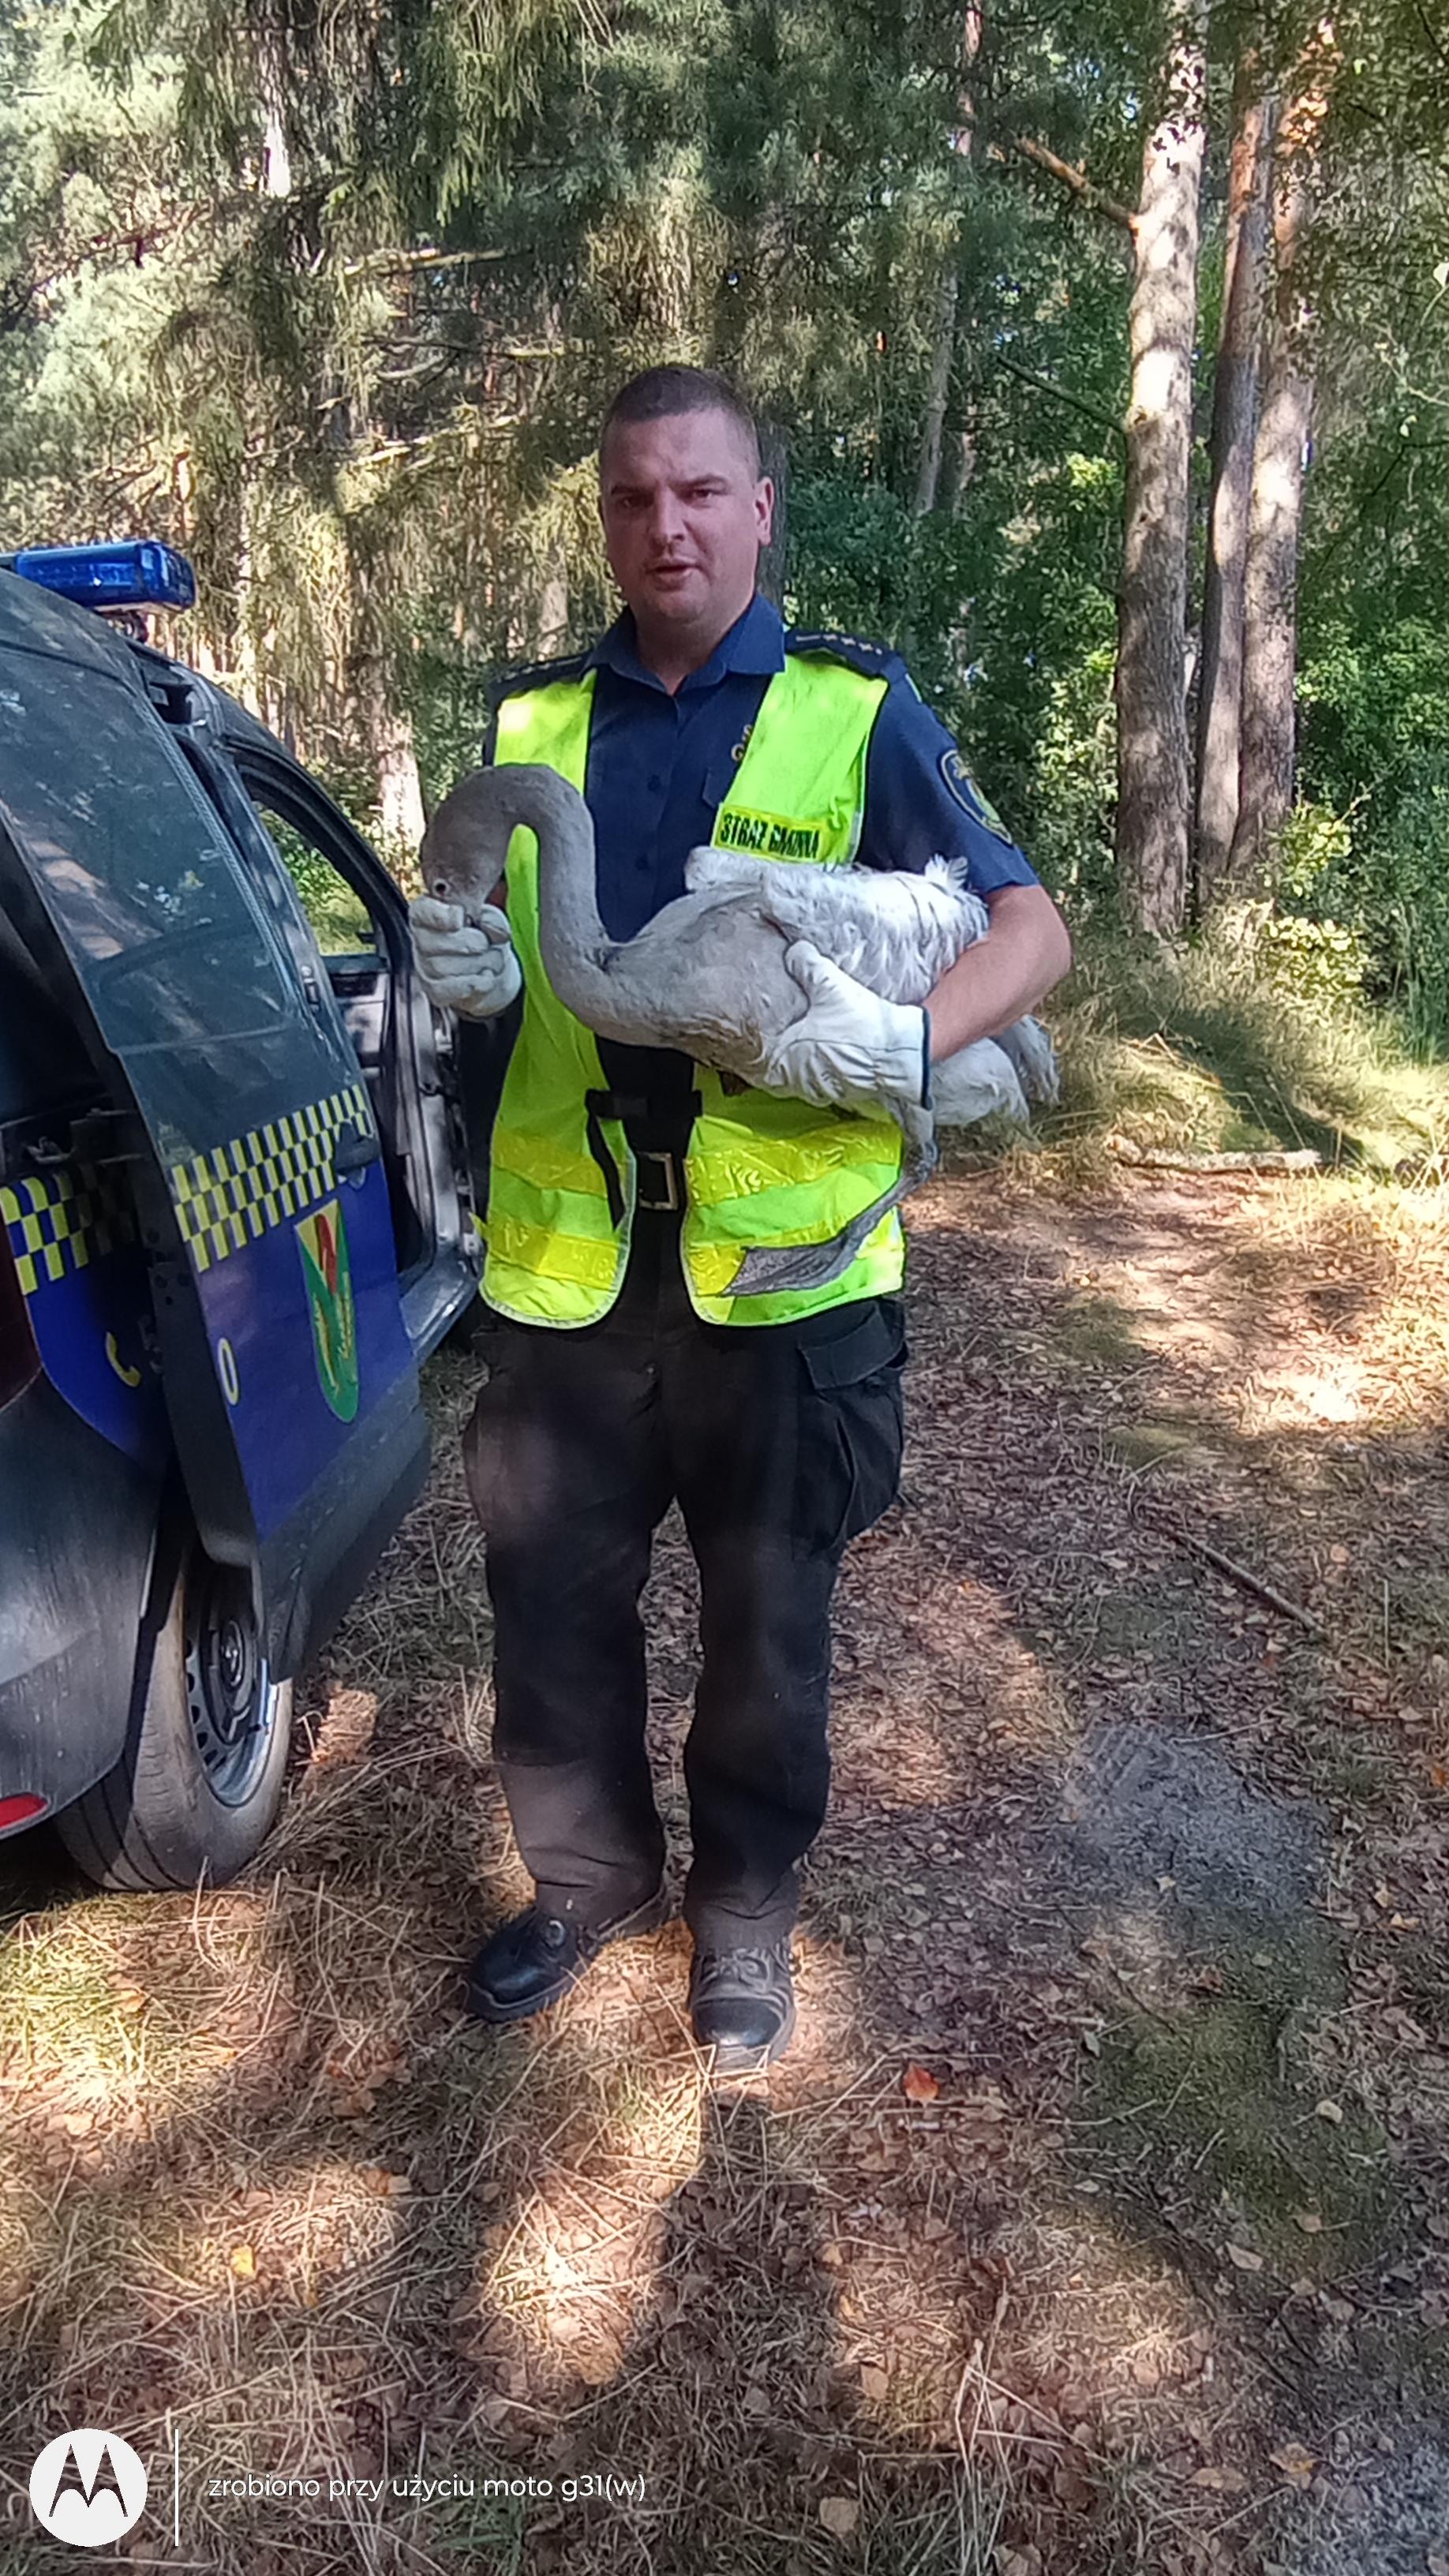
(671, 1183)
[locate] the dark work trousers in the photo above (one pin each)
(781, 1442)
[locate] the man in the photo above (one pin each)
(623, 1373)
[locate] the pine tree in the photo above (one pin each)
(1152, 748)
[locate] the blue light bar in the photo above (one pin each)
(145, 574)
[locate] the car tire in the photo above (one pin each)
(197, 1787)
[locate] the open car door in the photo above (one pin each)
(238, 1120)
(345, 919)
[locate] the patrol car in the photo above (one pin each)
(236, 1217)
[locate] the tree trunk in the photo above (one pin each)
(388, 733)
(401, 812)
(247, 679)
(275, 81)
(1152, 758)
(943, 342)
(276, 159)
(957, 467)
(1235, 410)
(775, 461)
(1270, 628)
(928, 470)
(553, 606)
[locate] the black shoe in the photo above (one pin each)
(742, 2005)
(535, 1957)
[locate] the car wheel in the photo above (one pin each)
(197, 1787)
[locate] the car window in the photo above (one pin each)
(181, 972)
(341, 922)
(132, 862)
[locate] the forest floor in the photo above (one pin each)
(1097, 2219)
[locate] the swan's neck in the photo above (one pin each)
(571, 933)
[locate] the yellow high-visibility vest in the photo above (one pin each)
(760, 1168)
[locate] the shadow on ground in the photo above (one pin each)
(1095, 2220)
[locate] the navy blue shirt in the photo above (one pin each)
(661, 765)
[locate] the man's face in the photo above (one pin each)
(684, 519)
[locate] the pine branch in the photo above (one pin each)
(140, 241)
(380, 260)
(1351, 525)
(1066, 173)
(132, 244)
(1094, 198)
(1075, 402)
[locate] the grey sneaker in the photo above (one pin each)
(742, 2005)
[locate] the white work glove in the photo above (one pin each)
(851, 1050)
(467, 966)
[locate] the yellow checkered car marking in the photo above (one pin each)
(228, 1196)
(62, 1221)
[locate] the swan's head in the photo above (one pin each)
(466, 844)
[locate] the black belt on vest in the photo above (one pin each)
(673, 1118)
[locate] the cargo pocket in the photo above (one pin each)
(851, 1431)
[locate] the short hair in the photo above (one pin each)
(663, 393)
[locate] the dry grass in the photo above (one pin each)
(1214, 1045)
(263, 2187)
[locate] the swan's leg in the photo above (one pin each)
(972, 1083)
(1035, 1059)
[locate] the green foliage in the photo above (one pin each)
(334, 300)
(1314, 841)
(1076, 779)
(1322, 965)
(1376, 739)
(1416, 920)
(338, 917)
(1005, 607)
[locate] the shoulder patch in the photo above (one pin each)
(534, 675)
(877, 661)
(958, 782)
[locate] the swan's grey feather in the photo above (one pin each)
(707, 974)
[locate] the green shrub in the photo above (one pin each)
(1076, 785)
(1323, 965)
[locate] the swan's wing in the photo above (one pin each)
(955, 873)
(897, 930)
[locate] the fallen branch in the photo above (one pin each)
(1242, 1575)
(1171, 1158)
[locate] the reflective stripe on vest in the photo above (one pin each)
(760, 1168)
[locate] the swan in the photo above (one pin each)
(708, 974)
